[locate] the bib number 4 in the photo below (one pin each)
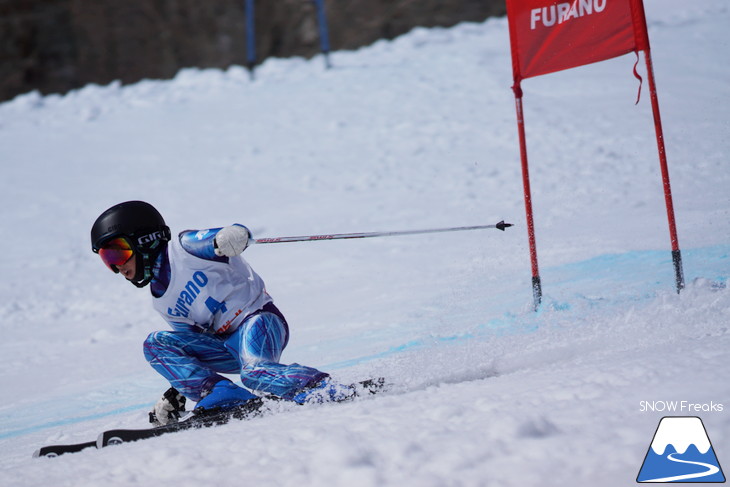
(215, 306)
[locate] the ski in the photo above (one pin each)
(194, 419)
(56, 450)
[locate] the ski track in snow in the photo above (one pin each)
(414, 133)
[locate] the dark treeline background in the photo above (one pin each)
(54, 46)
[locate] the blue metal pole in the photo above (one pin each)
(324, 36)
(250, 36)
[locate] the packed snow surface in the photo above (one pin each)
(414, 133)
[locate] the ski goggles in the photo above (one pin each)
(116, 252)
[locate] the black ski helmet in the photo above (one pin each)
(142, 226)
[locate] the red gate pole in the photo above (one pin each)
(536, 285)
(676, 254)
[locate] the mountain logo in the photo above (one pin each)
(681, 452)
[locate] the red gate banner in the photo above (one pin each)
(552, 35)
(549, 35)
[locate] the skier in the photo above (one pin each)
(223, 320)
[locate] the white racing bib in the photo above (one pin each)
(213, 296)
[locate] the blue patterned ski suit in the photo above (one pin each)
(222, 323)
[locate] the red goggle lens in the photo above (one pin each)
(115, 253)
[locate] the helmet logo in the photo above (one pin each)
(151, 237)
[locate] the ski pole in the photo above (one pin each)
(341, 236)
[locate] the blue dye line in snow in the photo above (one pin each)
(655, 266)
(652, 268)
(68, 421)
(412, 345)
(711, 262)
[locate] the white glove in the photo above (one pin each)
(168, 408)
(231, 241)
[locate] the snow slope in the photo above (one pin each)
(414, 133)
